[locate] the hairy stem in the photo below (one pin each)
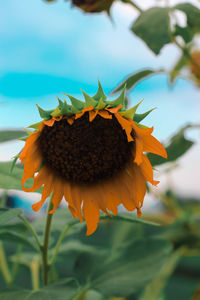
(46, 243)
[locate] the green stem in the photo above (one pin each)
(34, 267)
(16, 263)
(185, 51)
(29, 227)
(65, 231)
(4, 265)
(134, 5)
(45, 244)
(3, 199)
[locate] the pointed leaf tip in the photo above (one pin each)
(119, 100)
(56, 113)
(100, 93)
(44, 114)
(89, 100)
(77, 105)
(129, 114)
(139, 117)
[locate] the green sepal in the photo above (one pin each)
(15, 161)
(35, 126)
(56, 113)
(28, 131)
(139, 117)
(101, 104)
(60, 103)
(44, 114)
(66, 109)
(100, 93)
(89, 100)
(23, 138)
(77, 105)
(141, 126)
(119, 100)
(129, 114)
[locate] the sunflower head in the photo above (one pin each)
(91, 153)
(195, 66)
(93, 6)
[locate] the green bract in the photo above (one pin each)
(99, 102)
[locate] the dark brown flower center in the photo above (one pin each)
(85, 152)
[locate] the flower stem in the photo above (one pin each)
(134, 5)
(45, 244)
(65, 230)
(34, 267)
(4, 266)
(29, 227)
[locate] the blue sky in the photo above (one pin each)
(47, 49)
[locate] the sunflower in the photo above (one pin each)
(90, 153)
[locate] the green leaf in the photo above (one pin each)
(192, 13)
(133, 79)
(177, 146)
(100, 93)
(184, 32)
(9, 135)
(44, 114)
(114, 261)
(155, 288)
(153, 27)
(62, 290)
(17, 238)
(139, 117)
(181, 63)
(8, 214)
(124, 270)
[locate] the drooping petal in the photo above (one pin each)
(139, 184)
(147, 170)
(77, 199)
(114, 110)
(104, 114)
(58, 193)
(92, 115)
(29, 145)
(68, 198)
(138, 151)
(30, 168)
(51, 122)
(126, 125)
(150, 143)
(47, 189)
(112, 198)
(91, 214)
(38, 180)
(77, 116)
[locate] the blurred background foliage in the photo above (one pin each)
(155, 258)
